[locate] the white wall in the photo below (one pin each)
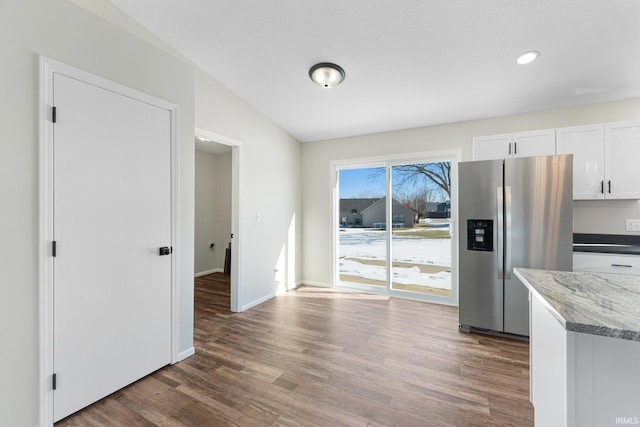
(69, 34)
(270, 185)
(213, 210)
(316, 158)
(205, 212)
(223, 206)
(113, 46)
(605, 216)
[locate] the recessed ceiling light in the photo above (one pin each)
(528, 57)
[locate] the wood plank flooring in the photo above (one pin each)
(320, 357)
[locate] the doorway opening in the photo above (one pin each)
(217, 208)
(394, 226)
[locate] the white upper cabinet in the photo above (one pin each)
(535, 143)
(622, 160)
(492, 147)
(586, 143)
(605, 159)
(521, 144)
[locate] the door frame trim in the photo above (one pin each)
(48, 68)
(236, 208)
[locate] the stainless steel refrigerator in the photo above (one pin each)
(513, 213)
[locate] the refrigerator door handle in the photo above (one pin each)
(507, 232)
(500, 232)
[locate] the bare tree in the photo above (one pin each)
(419, 184)
(438, 173)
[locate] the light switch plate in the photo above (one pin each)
(633, 225)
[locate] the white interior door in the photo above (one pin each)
(112, 213)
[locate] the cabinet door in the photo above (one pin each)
(622, 151)
(492, 147)
(593, 262)
(586, 143)
(535, 143)
(550, 353)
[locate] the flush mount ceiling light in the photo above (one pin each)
(528, 57)
(326, 74)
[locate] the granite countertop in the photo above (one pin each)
(607, 243)
(591, 303)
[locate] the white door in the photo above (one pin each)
(112, 213)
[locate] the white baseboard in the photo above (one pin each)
(204, 273)
(295, 286)
(313, 283)
(258, 301)
(273, 294)
(186, 353)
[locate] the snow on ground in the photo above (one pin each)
(369, 244)
(401, 275)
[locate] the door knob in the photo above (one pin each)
(165, 250)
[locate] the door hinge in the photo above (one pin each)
(54, 381)
(53, 114)
(53, 248)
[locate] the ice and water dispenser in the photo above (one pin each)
(480, 235)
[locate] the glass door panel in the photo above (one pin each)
(420, 233)
(362, 248)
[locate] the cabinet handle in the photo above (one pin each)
(515, 148)
(621, 265)
(509, 148)
(609, 187)
(602, 187)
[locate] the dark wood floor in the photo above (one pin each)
(318, 357)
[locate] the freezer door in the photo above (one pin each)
(539, 227)
(480, 288)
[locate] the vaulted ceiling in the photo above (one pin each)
(408, 63)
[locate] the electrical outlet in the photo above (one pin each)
(633, 225)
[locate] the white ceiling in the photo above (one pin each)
(408, 63)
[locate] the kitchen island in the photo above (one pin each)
(584, 348)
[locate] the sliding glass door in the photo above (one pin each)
(421, 231)
(394, 228)
(362, 249)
